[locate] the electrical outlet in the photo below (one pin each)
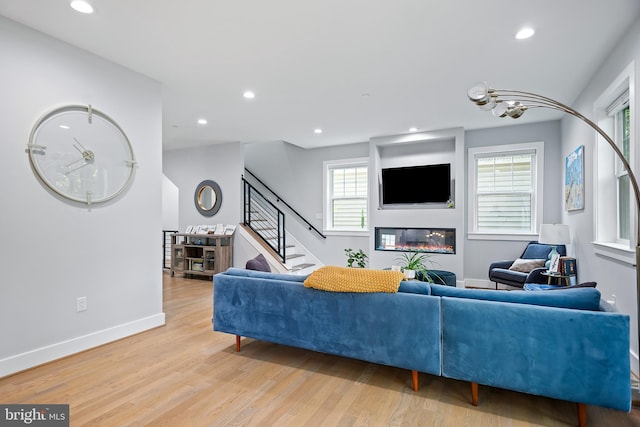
(81, 304)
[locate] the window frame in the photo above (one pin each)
(537, 197)
(329, 165)
(606, 241)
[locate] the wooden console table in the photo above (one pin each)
(201, 254)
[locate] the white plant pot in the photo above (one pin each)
(410, 274)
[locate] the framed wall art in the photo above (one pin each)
(574, 180)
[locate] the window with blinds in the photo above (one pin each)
(348, 197)
(622, 116)
(505, 192)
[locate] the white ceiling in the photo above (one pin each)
(355, 68)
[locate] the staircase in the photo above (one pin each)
(297, 262)
(264, 222)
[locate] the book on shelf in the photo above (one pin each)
(568, 267)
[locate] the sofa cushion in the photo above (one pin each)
(544, 287)
(526, 265)
(508, 275)
(264, 275)
(581, 298)
(259, 263)
(415, 287)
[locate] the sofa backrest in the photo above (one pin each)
(410, 287)
(581, 298)
(233, 271)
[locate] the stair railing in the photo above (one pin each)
(281, 200)
(265, 219)
(166, 247)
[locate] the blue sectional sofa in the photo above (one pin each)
(278, 308)
(566, 344)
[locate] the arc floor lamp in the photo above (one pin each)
(513, 103)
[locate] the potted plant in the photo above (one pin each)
(359, 257)
(414, 262)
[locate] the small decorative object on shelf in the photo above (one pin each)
(555, 263)
(217, 229)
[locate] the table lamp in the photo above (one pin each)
(554, 235)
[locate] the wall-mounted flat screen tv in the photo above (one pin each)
(416, 184)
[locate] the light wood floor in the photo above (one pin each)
(184, 374)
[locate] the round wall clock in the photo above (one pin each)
(81, 154)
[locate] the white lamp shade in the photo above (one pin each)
(554, 234)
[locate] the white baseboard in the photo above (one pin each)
(479, 283)
(486, 284)
(38, 356)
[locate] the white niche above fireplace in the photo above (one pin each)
(443, 147)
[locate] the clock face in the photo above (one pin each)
(81, 154)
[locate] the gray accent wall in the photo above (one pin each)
(480, 253)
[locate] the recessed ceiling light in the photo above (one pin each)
(413, 129)
(317, 130)
(81, 6)
(249, 94)
(202, 121)
(525, 33)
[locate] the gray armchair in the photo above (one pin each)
(499, 271)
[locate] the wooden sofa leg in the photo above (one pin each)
(474, 394)
(414, 377)
(238, 343)
(582, 414)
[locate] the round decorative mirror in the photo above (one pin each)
(208, 198)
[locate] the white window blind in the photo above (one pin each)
(348, 197)
(505, 191)
(622, 136)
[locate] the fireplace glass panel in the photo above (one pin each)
(431, 240)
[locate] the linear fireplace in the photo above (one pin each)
(432, 240)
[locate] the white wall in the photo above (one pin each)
(222, 163)
(54, 251)
(613, 277)
(170, 205)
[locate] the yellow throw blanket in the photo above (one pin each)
(343, 279)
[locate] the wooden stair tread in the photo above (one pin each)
(301, 266)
